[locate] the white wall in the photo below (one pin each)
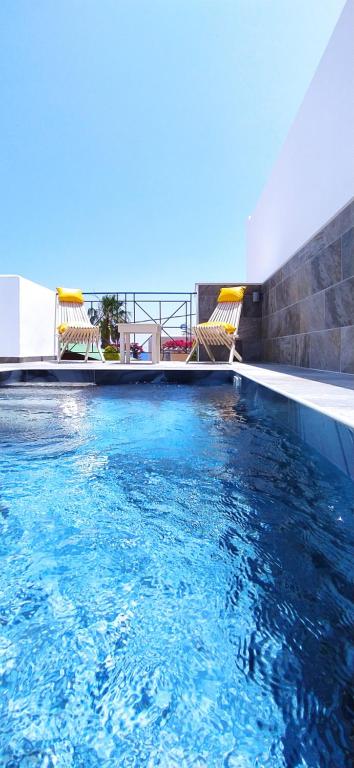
(9, 316)
(313, 177)
(27, 316)
(37, 317)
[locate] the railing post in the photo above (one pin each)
(186, 324)
(134, 313)
(91, 308)
(160, 323)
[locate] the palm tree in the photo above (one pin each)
(109, 313)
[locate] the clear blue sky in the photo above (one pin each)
(136, 135)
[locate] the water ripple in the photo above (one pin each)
(175, 585)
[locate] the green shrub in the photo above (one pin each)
(111, 353)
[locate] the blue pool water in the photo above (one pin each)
(175, 579)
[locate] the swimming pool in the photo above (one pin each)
(175, 578)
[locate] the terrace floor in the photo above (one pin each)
(328, 392)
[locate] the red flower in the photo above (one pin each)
(180, 345)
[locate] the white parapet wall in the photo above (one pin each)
(313, 177)
(27, 319)
(9, 316)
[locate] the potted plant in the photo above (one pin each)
(111, 352)
(177, 349)
(136, 350)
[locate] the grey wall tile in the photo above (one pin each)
(339, 304)
(303, 278)
(250, 327)
(268, 350)
(340, 224)
(325, 350)
(283, 323)
(304, 304)
(290, 267)
(265, 327)
(286, 292)
(272, 300)
(312, 313)
(301, 350)
(348, 253)
(265, 304)
(289, 320)
(205, 308)
(252, 308)
(275, 324)
(285, 350)
(326, 268)
(251, 350)
(269, 302)
(347, 350)
(266, 286)
(275, 278)
(315, 246)
(276, 350)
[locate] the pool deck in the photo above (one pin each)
(328, 392)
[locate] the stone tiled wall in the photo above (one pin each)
(308, 304)
(250, 330)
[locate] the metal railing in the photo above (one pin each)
(174, 311)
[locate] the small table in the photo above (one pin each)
(153, 329)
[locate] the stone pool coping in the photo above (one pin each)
(327, 392)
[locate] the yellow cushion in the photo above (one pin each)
(226, 326)
(231, 294)
(74, 295)
(62, 328)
